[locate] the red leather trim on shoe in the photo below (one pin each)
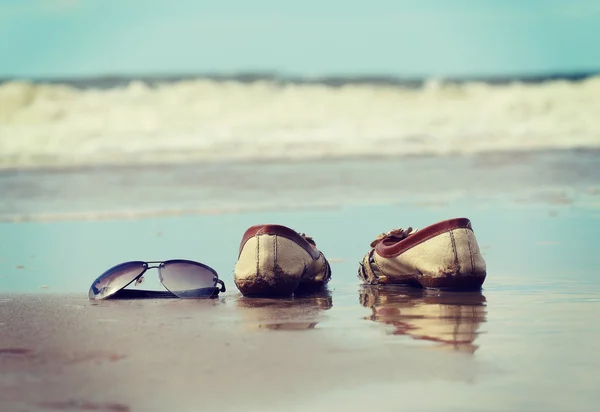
(283, 232)
(392, 250)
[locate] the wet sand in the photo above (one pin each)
(526, 342)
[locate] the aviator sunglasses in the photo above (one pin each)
(181, 278)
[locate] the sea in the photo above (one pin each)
(116, 120)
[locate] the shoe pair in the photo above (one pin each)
(275, 260)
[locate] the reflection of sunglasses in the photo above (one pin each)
(181, 278)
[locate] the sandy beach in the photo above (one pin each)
(526, 342)
(153, 131)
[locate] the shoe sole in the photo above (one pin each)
(453, 282)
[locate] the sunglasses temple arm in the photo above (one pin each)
(220, 282)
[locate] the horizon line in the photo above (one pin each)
(251, 76)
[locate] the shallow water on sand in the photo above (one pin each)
(526, 342)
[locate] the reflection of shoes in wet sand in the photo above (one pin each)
(451, 319)
(277, 261)
(443, 255)
(290, 313)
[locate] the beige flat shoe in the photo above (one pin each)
(444, 255)
(275, 260)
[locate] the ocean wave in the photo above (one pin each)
(53, 124)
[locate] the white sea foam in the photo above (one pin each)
(58, 125)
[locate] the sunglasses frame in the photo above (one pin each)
(152, 264)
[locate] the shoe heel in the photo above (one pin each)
(466, 272)
(259, 273)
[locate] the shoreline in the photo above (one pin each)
(553, 178)
(224, 161)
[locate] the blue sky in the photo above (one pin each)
(308, 37)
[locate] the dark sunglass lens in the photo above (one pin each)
(115, 279)
(188, 279)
